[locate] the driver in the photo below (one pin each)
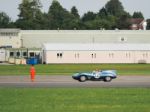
(96, 73)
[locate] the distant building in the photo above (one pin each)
(137, 24)
(15, 38)
(10, 38)
(36, 38)
(96, 53)
(24, 44)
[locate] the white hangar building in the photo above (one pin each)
(77, 46)
(96, 53)
(16, 38)
(35, 38)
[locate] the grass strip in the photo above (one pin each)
(74, 100)
(69, 69)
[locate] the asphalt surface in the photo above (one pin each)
(67, 81)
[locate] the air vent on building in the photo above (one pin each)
(123, 39)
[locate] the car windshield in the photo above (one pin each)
(96, 71)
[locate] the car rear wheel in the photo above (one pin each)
(108, 79)
(82, 79)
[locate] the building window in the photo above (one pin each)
(93, 55)
(11, 54)
(24, 54)
(18, 54)
(31, 54)
(128, 55)
(59, 55)
(8, 34)
(111, 55)
(145, 55)
(76, 55)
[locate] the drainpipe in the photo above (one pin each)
(21, 43)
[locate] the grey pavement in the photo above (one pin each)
(67, 81)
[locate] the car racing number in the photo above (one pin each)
(96, 75)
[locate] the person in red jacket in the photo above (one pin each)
(32, 73)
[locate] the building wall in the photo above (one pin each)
(96, 57)
(35, 39)
(10, 38)
(2, 55)
(14, 42)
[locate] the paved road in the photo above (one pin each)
(67, 81)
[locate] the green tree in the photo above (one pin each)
(87, 21)
(115, 8)
(112, 21)
(100, 23)
(75, 21)
(103, 13)
(25, 10)
(123, 22)
(74, 12)
(30, 16)
(70, 22)
(60, 18)
(88, 16)
(5, 21)
(138, 15)
(106, 20)
(56, 15)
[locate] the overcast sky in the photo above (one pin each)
(11, 6)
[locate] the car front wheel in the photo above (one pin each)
(82, 79)
(108, 79)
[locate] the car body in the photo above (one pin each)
(104, 75)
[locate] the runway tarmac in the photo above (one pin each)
(67, 81)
